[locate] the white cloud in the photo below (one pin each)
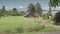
(21, 7)
(47, 8)
(58, 8)
(8, 8)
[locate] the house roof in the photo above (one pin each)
(31, 14)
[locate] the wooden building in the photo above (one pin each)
(30, 15)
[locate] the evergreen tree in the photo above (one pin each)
(3, 11)
(38, 9)
(31, 8)
(3, 8)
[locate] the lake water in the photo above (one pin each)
(53, 12)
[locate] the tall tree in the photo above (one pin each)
(49, 11)
(31, 8)
(38, 9)
(14, 11)
(54, 3)
(3, 9)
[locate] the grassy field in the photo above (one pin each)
(13, 22)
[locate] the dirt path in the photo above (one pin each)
(56, 26)
(47, 33)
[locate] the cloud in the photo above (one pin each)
(21, 7)
(8, 8)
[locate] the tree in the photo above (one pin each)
(14, 11)
(3, 11)
(57, 18)
(31, 8)
(49, 11)
(54, 3)
(3, 8)
(38, 9)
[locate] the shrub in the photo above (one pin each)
(57, 18)
(8, 31)
(20, 29)
(45, 16)
(37, 27)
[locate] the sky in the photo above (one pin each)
(22, 4)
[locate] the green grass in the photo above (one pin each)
(13, 22)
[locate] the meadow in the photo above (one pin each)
(16, 23)
(12, 22)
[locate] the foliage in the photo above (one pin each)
(15, 23)
(2, 11)
(45, 16)
(53, 3)
(57, 18)
(38, 9)
(49, 12)
(31, 8)
(20, 29)
(22, 13)
(13, 12)
(8, 31)
(35, 9)
(36, 27)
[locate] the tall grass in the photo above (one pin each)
(21, 24)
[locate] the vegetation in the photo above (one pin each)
(57, 18)
(21, 24)
(20, 29)
(38, 9)
(55, 3)
(14, 12)
(35, 9)
(14, 22)
(31, 8)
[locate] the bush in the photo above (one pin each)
(45, 16)
(20, 29)
(37, 27)
(8, 31)
(57, 18)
